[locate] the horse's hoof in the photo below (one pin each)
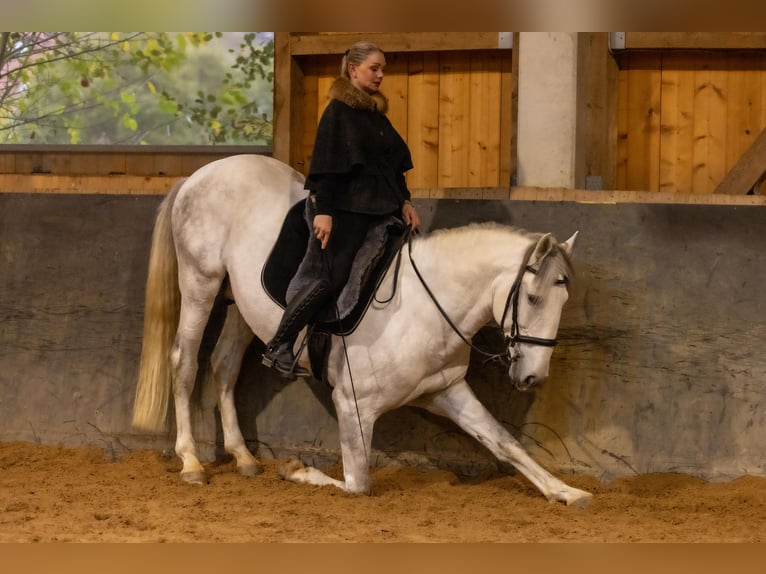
(194, 477)
(581, 499)
(290, 467)
(250, 469)
(581, 502)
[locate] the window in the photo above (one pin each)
(141, 88)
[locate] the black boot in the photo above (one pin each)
(300, 311)
(284, 361)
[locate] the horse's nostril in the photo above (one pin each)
(529, 382)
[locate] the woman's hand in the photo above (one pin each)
(322, 228)
(410, 216)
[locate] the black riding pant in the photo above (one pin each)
(323, 272)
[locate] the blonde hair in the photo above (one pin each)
(357, 54)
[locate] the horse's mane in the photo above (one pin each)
(473, 232)
(553, 267)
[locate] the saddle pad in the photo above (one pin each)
(382, 244)
(286, 255)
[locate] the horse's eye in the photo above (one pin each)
(533, 299)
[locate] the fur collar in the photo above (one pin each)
(344, 90)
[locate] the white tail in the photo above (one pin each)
(161, 310)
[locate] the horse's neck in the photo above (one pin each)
(465, 267)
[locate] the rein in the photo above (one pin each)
(512, 301)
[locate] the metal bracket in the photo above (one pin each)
(505, 40)
(616, 41)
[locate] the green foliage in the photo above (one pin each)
(135, 88)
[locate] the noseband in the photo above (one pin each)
(511, 302)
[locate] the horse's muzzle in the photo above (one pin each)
(528, 383)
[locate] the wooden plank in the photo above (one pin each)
(327, 72)
(621, 167)
(718, 119)
(484, 120)
(100, 160)
(319, 43)
(609, 173)
(7, 162)
(83, 184)
(750, 168)
(600, 111)
(695, 40)
(423, 119)
(324, 72)
(643, 108)
(454, 115)
(282, 100)
(703, 94)
(288, 104)
(140, 165)
(631, 196)
(396, 90)
(677, 127)
(508, 116)
(668, 127)
(310, 117)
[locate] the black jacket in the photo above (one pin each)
(359, 159)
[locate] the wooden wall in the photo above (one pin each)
(453, 109)
(104, 169)
(669, 113)
(686, 117)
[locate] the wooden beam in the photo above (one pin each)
(561, 194)
(600, 115)
(748, 170)
(288, 103)
(336, 43)
(623, 196)
(695, 40)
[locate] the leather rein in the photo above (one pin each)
(511, 302)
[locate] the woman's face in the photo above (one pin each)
(368, 75)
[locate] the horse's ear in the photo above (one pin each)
(544, 246)
(568, 245)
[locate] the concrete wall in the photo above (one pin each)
(658, 368)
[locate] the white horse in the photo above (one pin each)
(223, 221)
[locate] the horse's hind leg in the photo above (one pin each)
(196, 303)
(226, 361)
(459, 404)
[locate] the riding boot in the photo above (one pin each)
(299, 312)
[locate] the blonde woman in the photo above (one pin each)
(356, 177)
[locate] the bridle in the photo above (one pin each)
(511, 302)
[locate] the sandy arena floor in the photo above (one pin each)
(55, 494)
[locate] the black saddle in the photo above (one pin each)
(382, 245)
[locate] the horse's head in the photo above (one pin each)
(532, 310)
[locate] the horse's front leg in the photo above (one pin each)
(355, 430)
(459, 404)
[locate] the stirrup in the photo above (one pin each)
(287, 366)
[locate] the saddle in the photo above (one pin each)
(381, 246)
